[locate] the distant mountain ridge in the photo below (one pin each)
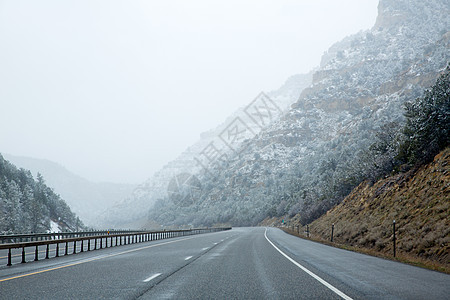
(87, 199)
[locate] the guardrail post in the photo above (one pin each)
(393, 238)
(23, 255)
(74, 247)
(332, 231)
(47, 250)
(89, 245)
(57, 249)
(82, 246)
(101, 243)
(95, 245)
(67, 248)
(36, 253)
(9, 257)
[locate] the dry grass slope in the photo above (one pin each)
(418, 201)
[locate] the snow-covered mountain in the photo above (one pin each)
(87, 199)
(212, 147)
(300, 162)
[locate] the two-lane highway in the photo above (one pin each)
(243, 263)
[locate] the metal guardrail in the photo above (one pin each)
(29, 237)
(115, 239)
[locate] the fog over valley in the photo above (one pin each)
(113, 91)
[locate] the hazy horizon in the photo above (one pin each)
(114, 90)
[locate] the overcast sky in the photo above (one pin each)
(114, 90)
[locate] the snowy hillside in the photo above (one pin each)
(302, 162)
(87, 199)
(28, 205)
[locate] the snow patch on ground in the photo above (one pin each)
(54, 227)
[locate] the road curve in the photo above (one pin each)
(243, 263)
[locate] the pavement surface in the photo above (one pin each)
(242, 263)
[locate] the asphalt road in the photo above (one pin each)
(243, 263)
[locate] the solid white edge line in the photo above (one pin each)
(335, 290)
(152, 277)
(188, 258)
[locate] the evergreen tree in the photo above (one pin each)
(13, 209)
(427, 123)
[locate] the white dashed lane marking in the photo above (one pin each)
(152, 277)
